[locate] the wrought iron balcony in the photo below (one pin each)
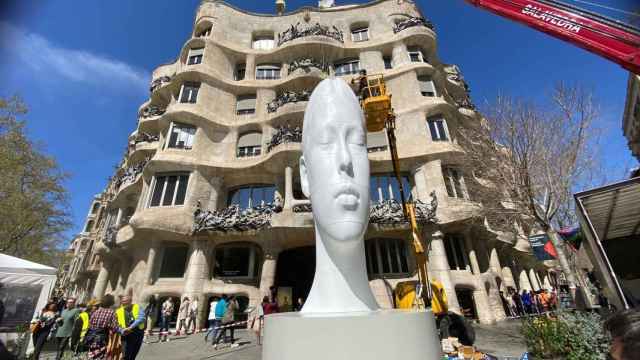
(411, 22)
(157, 83)
(152, 110)
(288, 97)
(145, 137)
(130, 174)
(283, 135)
(233, 218)
(296, 31)
(307, 64)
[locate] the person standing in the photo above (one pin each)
(102, 323)
(65, 326)
(167, 312)
(131, 319)
(41, 327)
(211, 319)
(183, 315)
(526, 302)
(193, 316)
(222, 308)
(227, 321)
(151, 314)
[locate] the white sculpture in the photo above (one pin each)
(334, 173)
(326, 3)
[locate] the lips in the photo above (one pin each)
(347, 196)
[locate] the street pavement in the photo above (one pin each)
(502, 339)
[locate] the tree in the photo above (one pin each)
(33, 200)
(528, 159)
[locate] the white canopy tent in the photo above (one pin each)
(25, 289)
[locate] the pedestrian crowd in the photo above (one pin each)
(529, 302)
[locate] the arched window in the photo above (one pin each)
(174, 261)
(250, 144)
(385, 187)
(454, 182)
(360, 32)
(237, 261)
(387, 257)
(95, 208)
(263, 41)
(456, 250)
(438, 128)
(416, 54)
(89, 226)
(252, 196)
(268, 72)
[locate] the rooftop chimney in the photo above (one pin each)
(280, 6)
(326, 3)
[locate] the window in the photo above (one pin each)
(377, 141)
(437, 128)
(250, 144)
(385, 187)
(95, 208)
(236, 261)
(454, 183)
(360, 34)
(204, 32)
(195, 56)
(264, 42)
(189, 92)
(169, 190)
(456, 252)
(267, 72)
(174, 261)
(241, 70)
(181, 136)
(89, 226)
(415, 55)
(246, 104)
(347, 67)
(387, 62)
(427, 87)
(252, 196)
(386, 257)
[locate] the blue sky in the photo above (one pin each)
(83, 68)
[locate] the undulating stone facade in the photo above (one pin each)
(207, 200)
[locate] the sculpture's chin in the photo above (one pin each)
(345, 231)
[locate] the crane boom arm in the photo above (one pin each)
(613, 40)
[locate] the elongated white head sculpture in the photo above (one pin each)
(334, 173)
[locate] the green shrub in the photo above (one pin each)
(570, 335)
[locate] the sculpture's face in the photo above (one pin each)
(335, 167)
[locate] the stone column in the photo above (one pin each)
(440, 269)
(250, 67)
(507, 278)
(525, 284)
(102, 280)
(399, 55)
(149, 275)
(473, 260)
(268, 275)
(288, 188)
(197, 275)
(535, 284)
(483, 308)
(494, 261)
(119, 217)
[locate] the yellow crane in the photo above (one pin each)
(379, 115)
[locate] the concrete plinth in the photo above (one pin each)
(384, 334)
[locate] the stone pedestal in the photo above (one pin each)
(384, 334)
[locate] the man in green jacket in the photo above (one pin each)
(66, 320)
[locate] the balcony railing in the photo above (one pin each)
(145, 137)
(411, 22)
(233, 218)
(288, 97)
(307, 64)
(152, 110)
(130, 174)
(389, 212)
(157, 83)
(296, 31)
(283, 135)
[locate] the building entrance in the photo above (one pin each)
(295, 270)
(467, 302)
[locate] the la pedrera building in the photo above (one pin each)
(207, 200)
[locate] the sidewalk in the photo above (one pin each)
(502, 339)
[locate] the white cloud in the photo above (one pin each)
(79, 66)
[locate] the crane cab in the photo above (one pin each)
(376, 103)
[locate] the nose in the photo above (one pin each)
(344, 159)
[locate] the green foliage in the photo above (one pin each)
(33, 199)
(571, 335)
